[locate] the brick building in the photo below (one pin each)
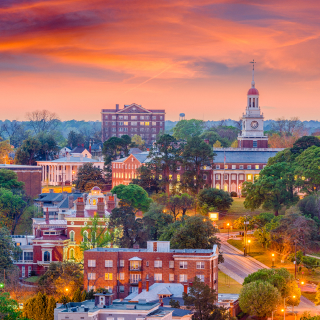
(132, 119)
(30, 175)
(124, 271)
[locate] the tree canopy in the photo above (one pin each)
(88, 177)
(186, 129)
(215, 198)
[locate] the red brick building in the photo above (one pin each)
(132, 119)
(123, 271)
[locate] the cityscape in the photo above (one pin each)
(159, 160)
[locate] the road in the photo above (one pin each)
(238, 267)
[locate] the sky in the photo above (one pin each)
(76, 57)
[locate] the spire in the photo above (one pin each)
(252, 82)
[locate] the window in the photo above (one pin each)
(200, 265)
(91, 276)
(183, 264)
(114, 117)
(133, 118)
(154, 123)
(120, 117)
(204, 177)
(71, 254)
(114, 123)
(257, 167)
(28, 256)
(125, 117)
(170, 176)
(110, 318)
(46, 256)
(29, 271)
(241, 176)
(108, 276)
(121, 288)
(200, 277)
(161, 117)
(120, 123)
(255, 144)
(23, 272)
(114, 129)
(141, 117)
(125, 123)
(226, 166)
(91, 288)
(154, 117)
(85, 236)
(248, 166)
(217, 166)
(121, 276)
(141, 123)
(241, 167)
(158, 264)
(121, 129)
(233, 177)
(108, 263)
(147, 263)
(147, 123)
(171, 264)
(178, 177)
(234, 166)
(183, 278)
(171, 277)
(249, 176)
(91, 263)
(158, 277)
(160, 176)
(225, 177)
(133, 123)
(217, 176)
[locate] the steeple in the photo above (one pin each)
(252, 82)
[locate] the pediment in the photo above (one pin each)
(134, 108)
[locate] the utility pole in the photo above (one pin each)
(295, 259)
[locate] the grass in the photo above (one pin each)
(33, 279)
(227, 284)
(309, 295)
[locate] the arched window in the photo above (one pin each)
(85, 236)
(71, 235)
(71, 254)
(46, 256)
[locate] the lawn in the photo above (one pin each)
(227, 284)
(310, 295)
(33, 279)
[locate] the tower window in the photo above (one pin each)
(255, 144)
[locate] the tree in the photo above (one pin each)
(14, 131)
(259, 298)
(134, 195)
(12, 207)
(9, 180)
(195, 156)
(5, 149)
(75, 139)
(62, 275)
(195, 233)
(317, 299)
(77, 296)
(240, 222)
(174, 304)
(89, 176)
(95, 234)
(304, 143)
(131, 229)
(310, 263)
(51, 305)
(213, 137)
(43, 121)
(186, 129)
(147, 180)
(9, 308)
(155, 221)
(202, 299)
(273, 189)
(217, 144)
(234, 144)
(214, 198)
(138, 142)
(27, 153)
(310, 206)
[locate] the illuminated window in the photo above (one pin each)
(257, 167)
(147, 123)
(226, 166)
(129, 176)
(218, 186)
(256, 176)
(71, 254)
(249, 176)
(125, 123)
(141, 123)
(160, 177)
(170, 176)
(71, 235)
(108, 276)
(178, 177)
(195, 177)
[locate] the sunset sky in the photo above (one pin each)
(75, 57)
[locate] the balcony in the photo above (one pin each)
(134, 282)
(44, 262)
(135, 268)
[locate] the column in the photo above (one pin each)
(238, 184)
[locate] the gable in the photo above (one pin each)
(134, 108)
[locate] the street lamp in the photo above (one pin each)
(228, 224)
(249, 241)
(284, 306)
(273, 260)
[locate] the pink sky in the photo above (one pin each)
(75, 57)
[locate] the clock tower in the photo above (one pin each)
(252, 135)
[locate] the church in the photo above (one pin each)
(233, 166)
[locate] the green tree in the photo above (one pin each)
(75, 139)
(214, 198)
(27, 153)
(138, 142)
(304, 143)
(212, 136)
(155, 221)
(9, 308)
(259, 298)
(273, 189)
(217, 144)
(195, 156)
(240, 222)
(310, 263)
(186, 129)
(9, 180)
(12, 207)
(77, 296)
(317, 299)
(89, 176)
(134, 195)
(174, 304)
(131, 229)
(202, 299)
(147, 180)
(95, 234)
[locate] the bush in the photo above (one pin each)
(233, 194)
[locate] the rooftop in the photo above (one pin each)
(70, 159)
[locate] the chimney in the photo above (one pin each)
(38, 233)
(80, 208)
(64, 195)
(117, 107)
(68, 156)
(147, 285)
(82, 145)
(100, 207)
(81, 157)
(185, 288)
(140, 286)
(47, 216)
(70, 200)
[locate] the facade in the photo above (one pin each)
(104, 308)
(30, 175)
(252, 135)
(55, 240)
(64, 170)
(132, 119)
(233, 166)
(124, 271)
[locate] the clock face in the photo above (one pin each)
(254, 124)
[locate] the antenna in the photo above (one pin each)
(253, 62)
(252, 82)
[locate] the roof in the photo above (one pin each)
(19, 167)
(141, 157)
(176, 312)
(71, 159)
(205, 251)
(135, 259)
(238, 156)
(78, 149)
(253, 91)
(134, 151)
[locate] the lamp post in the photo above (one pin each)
(284, 306)
(228, 226)
(239, 191)
(249, 241)
(273, 260)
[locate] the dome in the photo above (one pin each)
(96, 188)
(253, 91)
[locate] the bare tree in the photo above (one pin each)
(14, 131)
(43, 120)
(289, 127)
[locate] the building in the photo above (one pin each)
(55, 240)
(132, 119)
(30, 175)
(252, 135)
(104, 308)
(124, 271)
(63, 171)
